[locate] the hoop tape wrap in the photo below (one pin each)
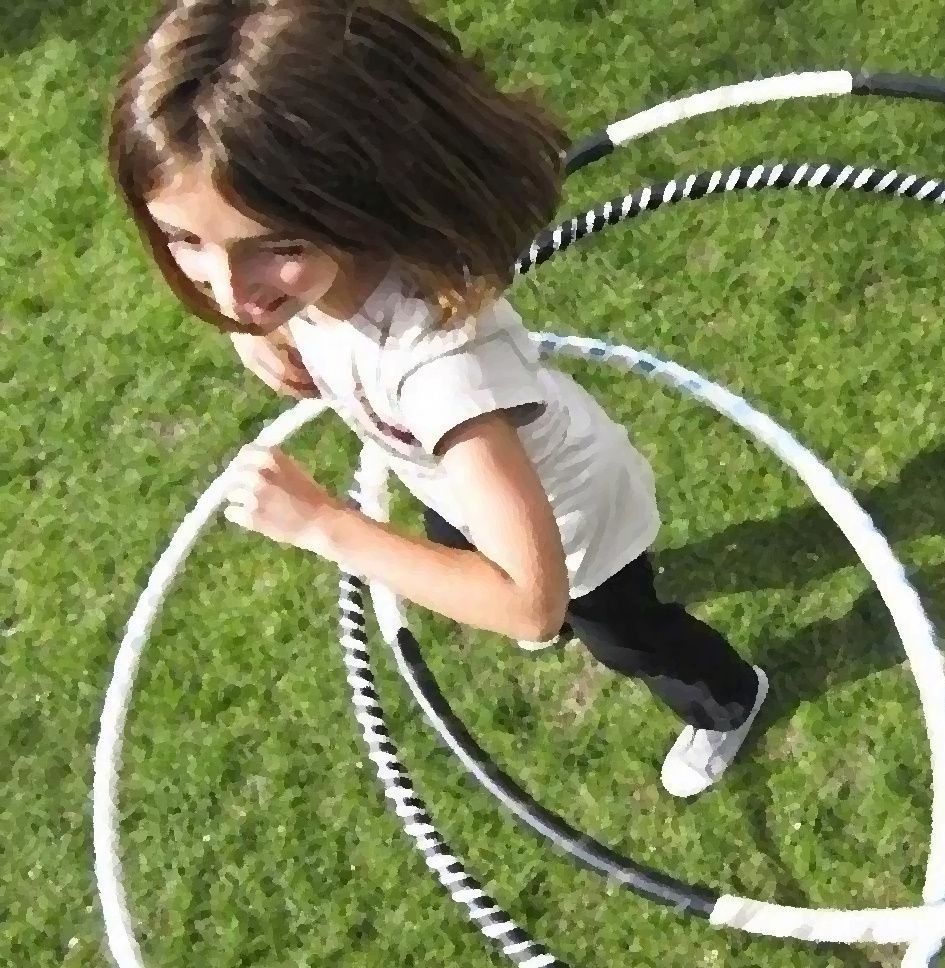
(923, 926)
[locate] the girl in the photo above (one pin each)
(339, 188)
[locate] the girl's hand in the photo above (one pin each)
(275, 496)
(275, 359)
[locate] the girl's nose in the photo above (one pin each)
(252, 284)
(241, 283)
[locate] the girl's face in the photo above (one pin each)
(254, 276)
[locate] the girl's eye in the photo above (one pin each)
(284, 248)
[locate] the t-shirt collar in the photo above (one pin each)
(376, 307)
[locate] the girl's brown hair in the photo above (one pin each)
(360, 126)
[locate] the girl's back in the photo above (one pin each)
(401, 382)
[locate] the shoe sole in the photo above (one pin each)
(561, 639)
(539, 646)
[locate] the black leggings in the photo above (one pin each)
(684, 662)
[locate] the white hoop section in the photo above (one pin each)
(922, 927)
(789, 86)
(784, 87)
(118, 926)
(886, 926)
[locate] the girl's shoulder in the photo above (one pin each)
(493, 346)
(415, 321)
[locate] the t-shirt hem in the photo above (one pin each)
(636, 549)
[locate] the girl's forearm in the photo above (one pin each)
(462, 585)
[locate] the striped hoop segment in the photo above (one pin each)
(824, 175)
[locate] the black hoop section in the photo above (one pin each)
(900, 86)
(651, 884)
(588, 150)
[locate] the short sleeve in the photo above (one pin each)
(490, 372)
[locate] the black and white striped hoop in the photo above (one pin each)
(921, 927)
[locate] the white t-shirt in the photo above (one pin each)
(401, 384)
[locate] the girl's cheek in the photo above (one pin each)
(192, 263)
(301, 276)
(297, 277)
(291, 273)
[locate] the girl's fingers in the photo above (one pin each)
(237, 516)
(243, 496)
(254, 456)
(249, 464)
(243, 479)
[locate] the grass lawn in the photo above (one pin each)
(253, 829)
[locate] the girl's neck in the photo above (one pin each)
(351, 290)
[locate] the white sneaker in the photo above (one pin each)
(699, 756)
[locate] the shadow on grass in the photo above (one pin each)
(805, 666)
(25, 25)
(796, 548)
(804, 544)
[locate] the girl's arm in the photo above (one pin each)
(516, 584)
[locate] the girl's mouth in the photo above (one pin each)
(256, 309)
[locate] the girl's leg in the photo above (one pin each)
(684, 662)
(442, 532)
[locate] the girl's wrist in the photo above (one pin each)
(319, 533)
